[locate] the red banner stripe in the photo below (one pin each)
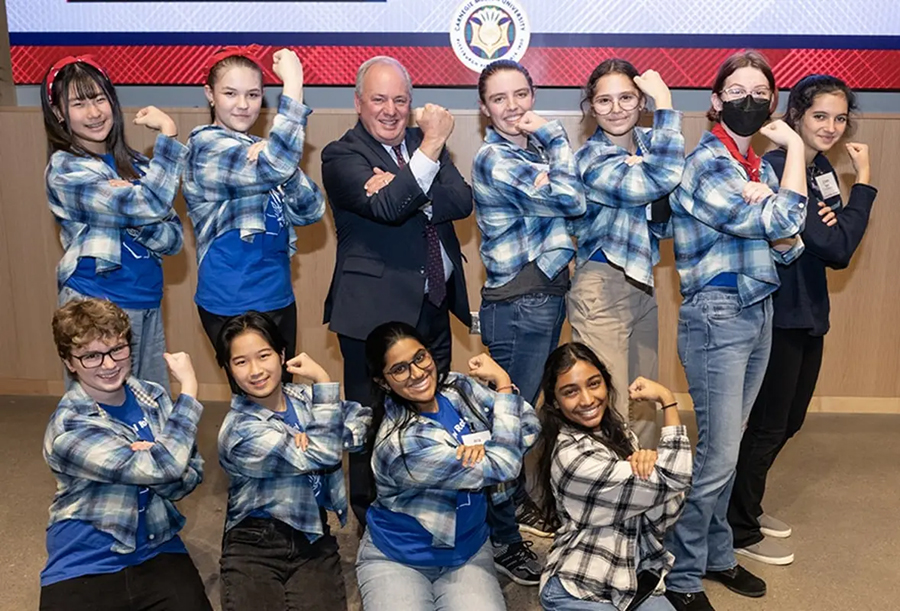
(438, 66)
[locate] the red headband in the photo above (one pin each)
(251, 52)
(71, 59)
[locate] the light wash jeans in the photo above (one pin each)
(148, 343)
(520, 334)
(387, 585)
(724, 349)
(554, 597)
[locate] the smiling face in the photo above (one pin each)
(507, 96)
(581, 394)
(825, 122)
(410, 372)
(255, 366)
(104, 381)
(90, 118)
(384, 102)
(616, 104)
(236, 98)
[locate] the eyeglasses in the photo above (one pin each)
(603, 105)
(760, 93)
(401, 371)
(92, 360)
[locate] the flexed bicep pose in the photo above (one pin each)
(395, 193)
(121, 453)
(113, 205)
(281, 445)
(614, 499)
(445, 440)
(526, 186)
(732, 224)
(628, 173)
(245, 194)
(820, 109)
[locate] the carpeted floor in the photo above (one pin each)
(838, 484)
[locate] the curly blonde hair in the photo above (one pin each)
(82, 321)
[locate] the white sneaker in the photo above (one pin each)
(768, 551)
(773, 527)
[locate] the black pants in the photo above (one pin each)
(167, 582)
(285, 319)
(777, 415)
(434, 325)
(268, 566)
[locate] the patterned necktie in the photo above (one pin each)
(434, 265)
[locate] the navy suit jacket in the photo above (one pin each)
(379, 273)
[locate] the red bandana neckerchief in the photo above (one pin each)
(751, 163)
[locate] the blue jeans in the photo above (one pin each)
(520, 334)
(724, 349)
(554, 597)
(387, 585)
(148, 343)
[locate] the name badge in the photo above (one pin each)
(476, 439)
(828, 185)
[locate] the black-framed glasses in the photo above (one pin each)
(92, 360)
(402, 370)
(603, 104)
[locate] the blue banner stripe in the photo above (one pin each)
(404, 39)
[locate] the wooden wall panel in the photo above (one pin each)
(861, 358)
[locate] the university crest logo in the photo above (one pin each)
(483, 31)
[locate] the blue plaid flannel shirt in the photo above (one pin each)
(226, 191)
(716, 231)
(519, 222)
(92, 214)
(98, 474)
(267, 469)
(618, 195)
(421, 476)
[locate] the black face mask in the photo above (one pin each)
(746, 115)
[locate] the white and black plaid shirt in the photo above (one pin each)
(610, 518)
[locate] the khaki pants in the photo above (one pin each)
(617, 318)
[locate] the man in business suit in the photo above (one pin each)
(394, 193)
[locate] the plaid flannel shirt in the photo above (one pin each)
(618, 195)
(519, 222)
(225, 191)
(92, 214)
(609, 515)
(420, 476)
(268, 471)
(98, 474)
(716, 231)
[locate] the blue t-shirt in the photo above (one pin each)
(136, 285)
(75, 548)
(236, 276)
(401, 537)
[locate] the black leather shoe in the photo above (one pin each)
(689, 601)
(740, 581)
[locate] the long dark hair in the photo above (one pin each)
(611, 432)
(607, 66)
(257, 322)
(87, 82)
(807, 89)
(379, 341)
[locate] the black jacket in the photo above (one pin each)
(379, 273)
(801, 302)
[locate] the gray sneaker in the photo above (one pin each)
(518, 562)
(773, 527)
(768, 551)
